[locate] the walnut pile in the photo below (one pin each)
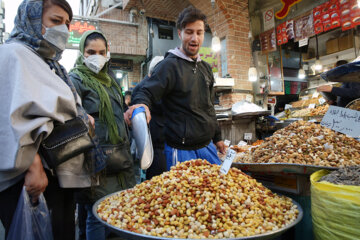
(193, 200)
(308, 143)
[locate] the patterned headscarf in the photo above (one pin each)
(27, 30)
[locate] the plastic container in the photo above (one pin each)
(142, 137)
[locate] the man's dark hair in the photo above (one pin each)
(94, 36)
(127, 93)
(189, 15)
(341, 62)
(61, 3)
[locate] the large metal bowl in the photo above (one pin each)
(128, 235)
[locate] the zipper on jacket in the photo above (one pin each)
(194, 69)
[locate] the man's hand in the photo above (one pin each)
(220, 146)
(324, 88)
(35, 179)
(129, 112)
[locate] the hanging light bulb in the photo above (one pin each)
(215, 43)
(119, 75)
(301, 74)
(318, 66)
(358, 3)
(252, 74)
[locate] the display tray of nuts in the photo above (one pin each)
(280, 167)
(195, 201)
(305, 146)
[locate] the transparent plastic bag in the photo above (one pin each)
(30, 222)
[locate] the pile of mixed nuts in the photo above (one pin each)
(310, 144)
(193, 200)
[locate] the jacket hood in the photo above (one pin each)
(180, 54)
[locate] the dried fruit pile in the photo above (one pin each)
(194, 201)
(345, 176)
(308, 143)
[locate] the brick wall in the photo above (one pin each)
(228, 99)
(134, 76)
(125, 39)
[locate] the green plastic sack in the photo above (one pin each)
(335, 209)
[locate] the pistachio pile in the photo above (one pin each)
(193, 200)
(308, 143)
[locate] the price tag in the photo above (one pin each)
(315, 95)
(225, 167)
(242, 143)
(305, 98)
(248, 136)
(249, 98)
(227, 142)
(312, 105)
(288, 106)
(342, 120)
(322, 100)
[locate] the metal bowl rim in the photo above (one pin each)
(144, 236)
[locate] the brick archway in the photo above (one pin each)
(230, 20)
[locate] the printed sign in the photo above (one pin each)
(77, 29)
(342, 120)
(315, 95)
(209, 56)
(227, 142)
(268, 19)
(322, 101)
(288, 106)
(304, 42)
(248, 136)
(225, 167)
(312, 105)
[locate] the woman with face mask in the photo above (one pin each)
(36, 92)
(102, 98)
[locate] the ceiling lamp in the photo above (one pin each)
(358, 3)
(215, 43)
(318, 66)
(119, 75)
(252, 74)
(301, 74)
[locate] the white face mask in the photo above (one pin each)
(95, 62)
(57, 36)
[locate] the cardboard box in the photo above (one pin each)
(332, 46)
(346, 42)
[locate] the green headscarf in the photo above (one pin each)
(99, 82)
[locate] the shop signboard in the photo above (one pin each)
(77, 29)
(342, 120)
(268, 41)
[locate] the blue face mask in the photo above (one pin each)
(57, 36)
